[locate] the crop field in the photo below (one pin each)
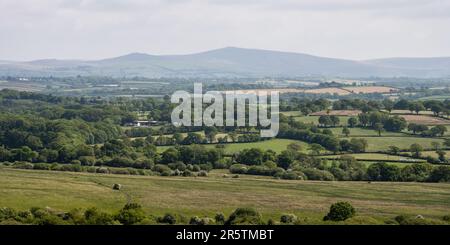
(425, 120)
(337, 91)
(189, 196)
(406, 112)
(383, 143)
(370, 89)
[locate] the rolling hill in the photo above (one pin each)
(230, 62)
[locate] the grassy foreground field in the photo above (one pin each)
(189, 196)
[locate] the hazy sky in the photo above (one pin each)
(90, 29)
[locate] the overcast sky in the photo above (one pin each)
(354, 29)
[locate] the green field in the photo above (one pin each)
(363, 132)
(292, 113)
(277, 145)
(375, 156)
(23, 189)
(315, 120)
(383, 143)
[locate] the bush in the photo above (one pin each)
(202, 174)
(317, 174)
(41, 166)
(187, 173)
(440, 174)
(288, 218)
(131, 213)
(23, 165)
(168, 219)
(244, 216)
(177, 166)
(340, 211)
(161, 168)
(238, 169)
(219, 218)
(416, 220)
(200, 221)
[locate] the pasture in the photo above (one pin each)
(190, 196)
(383, 143)
(277, 145)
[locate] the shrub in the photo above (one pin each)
(200, 221)
(178, 165)
(41, 166)
(288, 218)
(317, 174)
(168, 219)
(238, 169)
(187, 173)
(102, 170)
(340, 211)
(161, 168)
(244, 216)
(440, 174)
(202, 174)
(23, 165)
(416, 220)
(219, 218)
(131, 213)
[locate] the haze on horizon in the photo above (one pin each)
(350, 29)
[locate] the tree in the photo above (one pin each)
(416, 150)
(358, 145)
(383, 172)
(438, 130)
(364, 119)
(210, 133)
(334, 120)
(325, 121)
(352, 121)
(340, 211)
(447, 142)
(285, 159)
(379, 128)
(417, 128)
(394, 150)
(388, 105)
(436, 145)
(345, 131)
(395, 124)
(252, 156)
(441, 155)
(440, 174)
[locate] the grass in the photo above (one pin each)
(383, 143)
(277, 145)
(376, 156)
(292, 113)
(363, 132)
(315, 120)
(22, 189)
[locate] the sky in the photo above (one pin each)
(350, 29)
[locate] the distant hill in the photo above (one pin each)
(230, 62)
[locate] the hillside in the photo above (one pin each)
(230, 62)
